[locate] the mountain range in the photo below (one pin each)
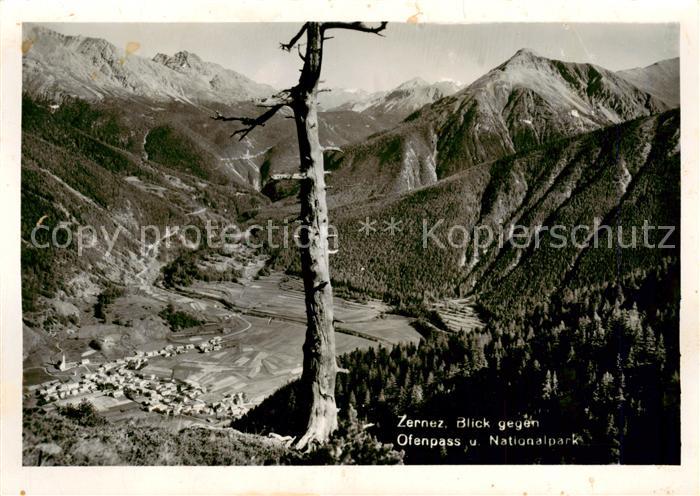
(582, 334)
(524, 102)
(393, 144)
(56, 65)
(393, 141)
(400, 101)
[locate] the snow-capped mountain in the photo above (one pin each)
(402, 100)
(340, 98)
(660, 79)
(56, 65)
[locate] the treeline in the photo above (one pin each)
(178, 319)
(78, 127)
(105, 299)
(166, 145)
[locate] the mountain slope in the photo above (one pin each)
(79, 169)
(401, 101)
(340, 97)
(622, 174)
(526, 101)
(661, 79)
(183, 92)
(584, 335)
(56, 65)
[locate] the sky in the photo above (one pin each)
(353, 60)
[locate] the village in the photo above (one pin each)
(125, 379)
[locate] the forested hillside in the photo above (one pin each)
(600, 363)
(622, 176)
(81, 167)
(583, 338)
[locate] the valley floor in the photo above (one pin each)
(258, 325)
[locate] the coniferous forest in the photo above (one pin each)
(600, 363)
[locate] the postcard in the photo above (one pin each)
(350, 249)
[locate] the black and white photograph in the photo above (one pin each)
(337, 242)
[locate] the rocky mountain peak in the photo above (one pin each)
(93, 68)
(416, 82)
(526, 53)
(525, 57)
(180, 60)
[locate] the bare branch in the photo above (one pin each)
(273, 105)
(251, 122)
(282, 97)
(332, 149)
(284, 94)
(287, 47)
(219, 117)
(320, 286)
(301, 55)
(355, 26)
(323, 90)
(297, 176)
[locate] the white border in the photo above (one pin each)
(466, 479)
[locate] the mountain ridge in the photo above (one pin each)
(57, 65)
(401, 100)
(524, 102)
(659, 79)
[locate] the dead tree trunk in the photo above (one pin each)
(318, 376)
(320, 368)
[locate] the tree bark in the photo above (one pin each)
(319, 372)
(320, 367)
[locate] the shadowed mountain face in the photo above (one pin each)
(620, 175)
(525, 102)
(660, 79)
(56, 65)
